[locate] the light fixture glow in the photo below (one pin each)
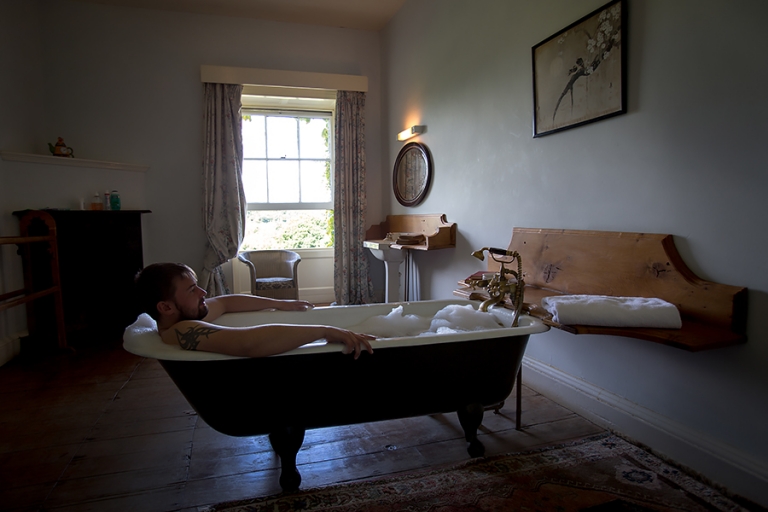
(411, 132)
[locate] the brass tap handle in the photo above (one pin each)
(499, 286)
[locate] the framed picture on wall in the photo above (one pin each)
(579, 73)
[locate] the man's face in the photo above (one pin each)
(189, 299)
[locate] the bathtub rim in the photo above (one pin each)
(141, 337)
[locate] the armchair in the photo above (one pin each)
(274, 273)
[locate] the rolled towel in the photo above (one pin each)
(609, 311)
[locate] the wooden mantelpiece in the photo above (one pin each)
(565, 262)
(438, 232)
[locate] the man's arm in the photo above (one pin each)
(217, 306)
(260, 340)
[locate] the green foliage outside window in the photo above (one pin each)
(291, 229)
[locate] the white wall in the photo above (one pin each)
(689, 158)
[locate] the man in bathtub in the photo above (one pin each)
(169, 293)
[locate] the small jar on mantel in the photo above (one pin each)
(96, 203)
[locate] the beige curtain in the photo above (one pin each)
(352, 284)
(224, 205)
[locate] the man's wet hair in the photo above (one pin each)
(157, 282)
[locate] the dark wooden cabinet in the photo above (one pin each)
(99, 255)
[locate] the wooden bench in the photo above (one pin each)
(566, 262)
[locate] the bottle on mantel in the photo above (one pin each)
(106, 199)
(96, 203)
(114, 200)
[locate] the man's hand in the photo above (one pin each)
(352, 341)
(293, 305)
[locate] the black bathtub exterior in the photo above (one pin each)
(284, 395)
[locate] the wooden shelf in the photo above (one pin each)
(12, 156)
(438, 232)
(693, 336)
(565, 262)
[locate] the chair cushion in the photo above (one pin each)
(274, 283)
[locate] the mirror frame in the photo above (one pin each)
(424, 152)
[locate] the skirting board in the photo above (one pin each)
(724, 465)
(9, 348)
(317, 295)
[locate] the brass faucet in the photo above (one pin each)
(499, 286)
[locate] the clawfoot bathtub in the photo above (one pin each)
(317, 386)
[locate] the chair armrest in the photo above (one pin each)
(248, 262)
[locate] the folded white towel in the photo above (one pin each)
(612, 311)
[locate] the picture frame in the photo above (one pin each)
(579, 73)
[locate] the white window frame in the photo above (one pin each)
(294, 113)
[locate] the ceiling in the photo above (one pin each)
(355, 14)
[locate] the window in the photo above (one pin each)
(287, 161)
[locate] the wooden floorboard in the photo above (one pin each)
(103, 430)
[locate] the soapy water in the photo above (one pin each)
(449, 320)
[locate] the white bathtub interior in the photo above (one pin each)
(141, 338)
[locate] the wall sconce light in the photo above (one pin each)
(411, 132)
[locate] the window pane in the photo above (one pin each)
(283, 179)
(254, 144)
(287, 160)
(255, 181)
(313, 137)
(315, 184)
(282, 136)
(288, 229)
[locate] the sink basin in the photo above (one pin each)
(392, 258)
(382, 251)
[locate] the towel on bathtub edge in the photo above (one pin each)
(610, 311)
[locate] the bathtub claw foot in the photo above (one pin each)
(476, 449)
(471, 417)
(286, 442)
(290, 480)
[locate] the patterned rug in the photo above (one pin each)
(599, 474)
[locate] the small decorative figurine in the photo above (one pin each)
(61, 149)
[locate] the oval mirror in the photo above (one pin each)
(412, 174)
